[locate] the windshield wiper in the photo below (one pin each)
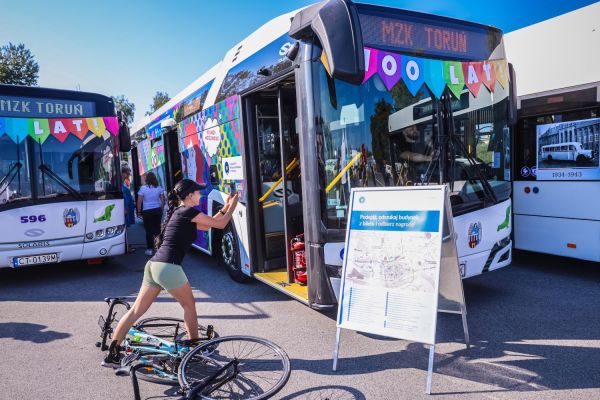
(47, 171)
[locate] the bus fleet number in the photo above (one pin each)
(33, 218)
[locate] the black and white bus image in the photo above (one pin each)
(569, 143)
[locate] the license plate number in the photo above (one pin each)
(34, 260)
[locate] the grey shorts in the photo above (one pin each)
(164, 275)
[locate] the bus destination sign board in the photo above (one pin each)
(37, 107)
(428, 37)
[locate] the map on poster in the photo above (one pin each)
(568, 150)
(391, 269)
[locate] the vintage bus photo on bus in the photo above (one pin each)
(568, 150)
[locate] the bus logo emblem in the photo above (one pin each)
(71, 217)
(474, 234)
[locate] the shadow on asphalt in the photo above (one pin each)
(26, 332)
(330, 392)
(528, 324)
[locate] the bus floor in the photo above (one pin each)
(278, 279)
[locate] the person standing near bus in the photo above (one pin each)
(164, 270)
(128, 202)
(150, 205)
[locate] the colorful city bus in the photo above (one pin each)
(335, 96)
(60, 185)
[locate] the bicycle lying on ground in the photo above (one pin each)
(211, 367)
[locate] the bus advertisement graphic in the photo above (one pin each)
(568, 150)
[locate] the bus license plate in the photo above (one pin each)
(35, 260)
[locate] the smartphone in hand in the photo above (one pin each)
(232, 188)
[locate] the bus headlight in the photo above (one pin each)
(106, 233)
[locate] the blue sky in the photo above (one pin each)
(135, 47)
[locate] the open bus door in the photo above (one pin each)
(275, 193)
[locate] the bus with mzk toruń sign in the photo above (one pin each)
(335, 96)
(60, 184)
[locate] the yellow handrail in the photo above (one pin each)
(290, 167)
(342, 172)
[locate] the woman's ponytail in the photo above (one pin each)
(172, 201)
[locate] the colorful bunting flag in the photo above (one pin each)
(389, 68)
(472, 71)
(41, 128)
(436, 74)
(413, 73)
(370, 63)
(453, 75)
(488, 78)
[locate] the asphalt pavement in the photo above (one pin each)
(534, 328)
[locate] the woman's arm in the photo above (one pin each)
(140, 202)
(220, 220)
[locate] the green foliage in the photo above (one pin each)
(159, 99)
(17, 65)
(123, 104)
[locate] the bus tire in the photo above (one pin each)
(581, 159)
(549, 158)
(230, 254)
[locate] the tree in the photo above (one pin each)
(159, 99)
(123, 104)
(17, 65)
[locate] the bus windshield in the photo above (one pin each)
(372, 136)
(73, 168)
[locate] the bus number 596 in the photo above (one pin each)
(33, 218)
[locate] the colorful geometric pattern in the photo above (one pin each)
(41, 128)
(225, 117)
(151, 154)
(436, 74)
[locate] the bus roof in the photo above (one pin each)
(260, 38)
(257, 40)
(36, 91)
(558, 53)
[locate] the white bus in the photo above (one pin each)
(555, 202)
(337, 96)
(60, 185)
(567, 151)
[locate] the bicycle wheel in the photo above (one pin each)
(166, 374)
(165, 328)
(263, 368)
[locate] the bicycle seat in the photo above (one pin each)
(111, 299)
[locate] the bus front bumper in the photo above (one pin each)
(71, 249)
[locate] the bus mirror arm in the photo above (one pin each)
(512, 96)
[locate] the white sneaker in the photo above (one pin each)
(149, 252)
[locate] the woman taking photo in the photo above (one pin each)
(150, 204)
(164, 270)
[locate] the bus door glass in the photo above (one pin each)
(278, 168)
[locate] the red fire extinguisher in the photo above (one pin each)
(299, 259)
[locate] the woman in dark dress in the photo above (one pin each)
(164, 270)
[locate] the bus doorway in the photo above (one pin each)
(276, 192)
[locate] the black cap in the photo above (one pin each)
(186, 186)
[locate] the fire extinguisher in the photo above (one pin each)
(299, 259)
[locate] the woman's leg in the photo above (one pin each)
(146, 217)
(185, 297)
(143, 301)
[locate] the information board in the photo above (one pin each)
(391, 269)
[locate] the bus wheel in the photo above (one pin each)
(230, 255)
(581, 159)
(549, 158)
